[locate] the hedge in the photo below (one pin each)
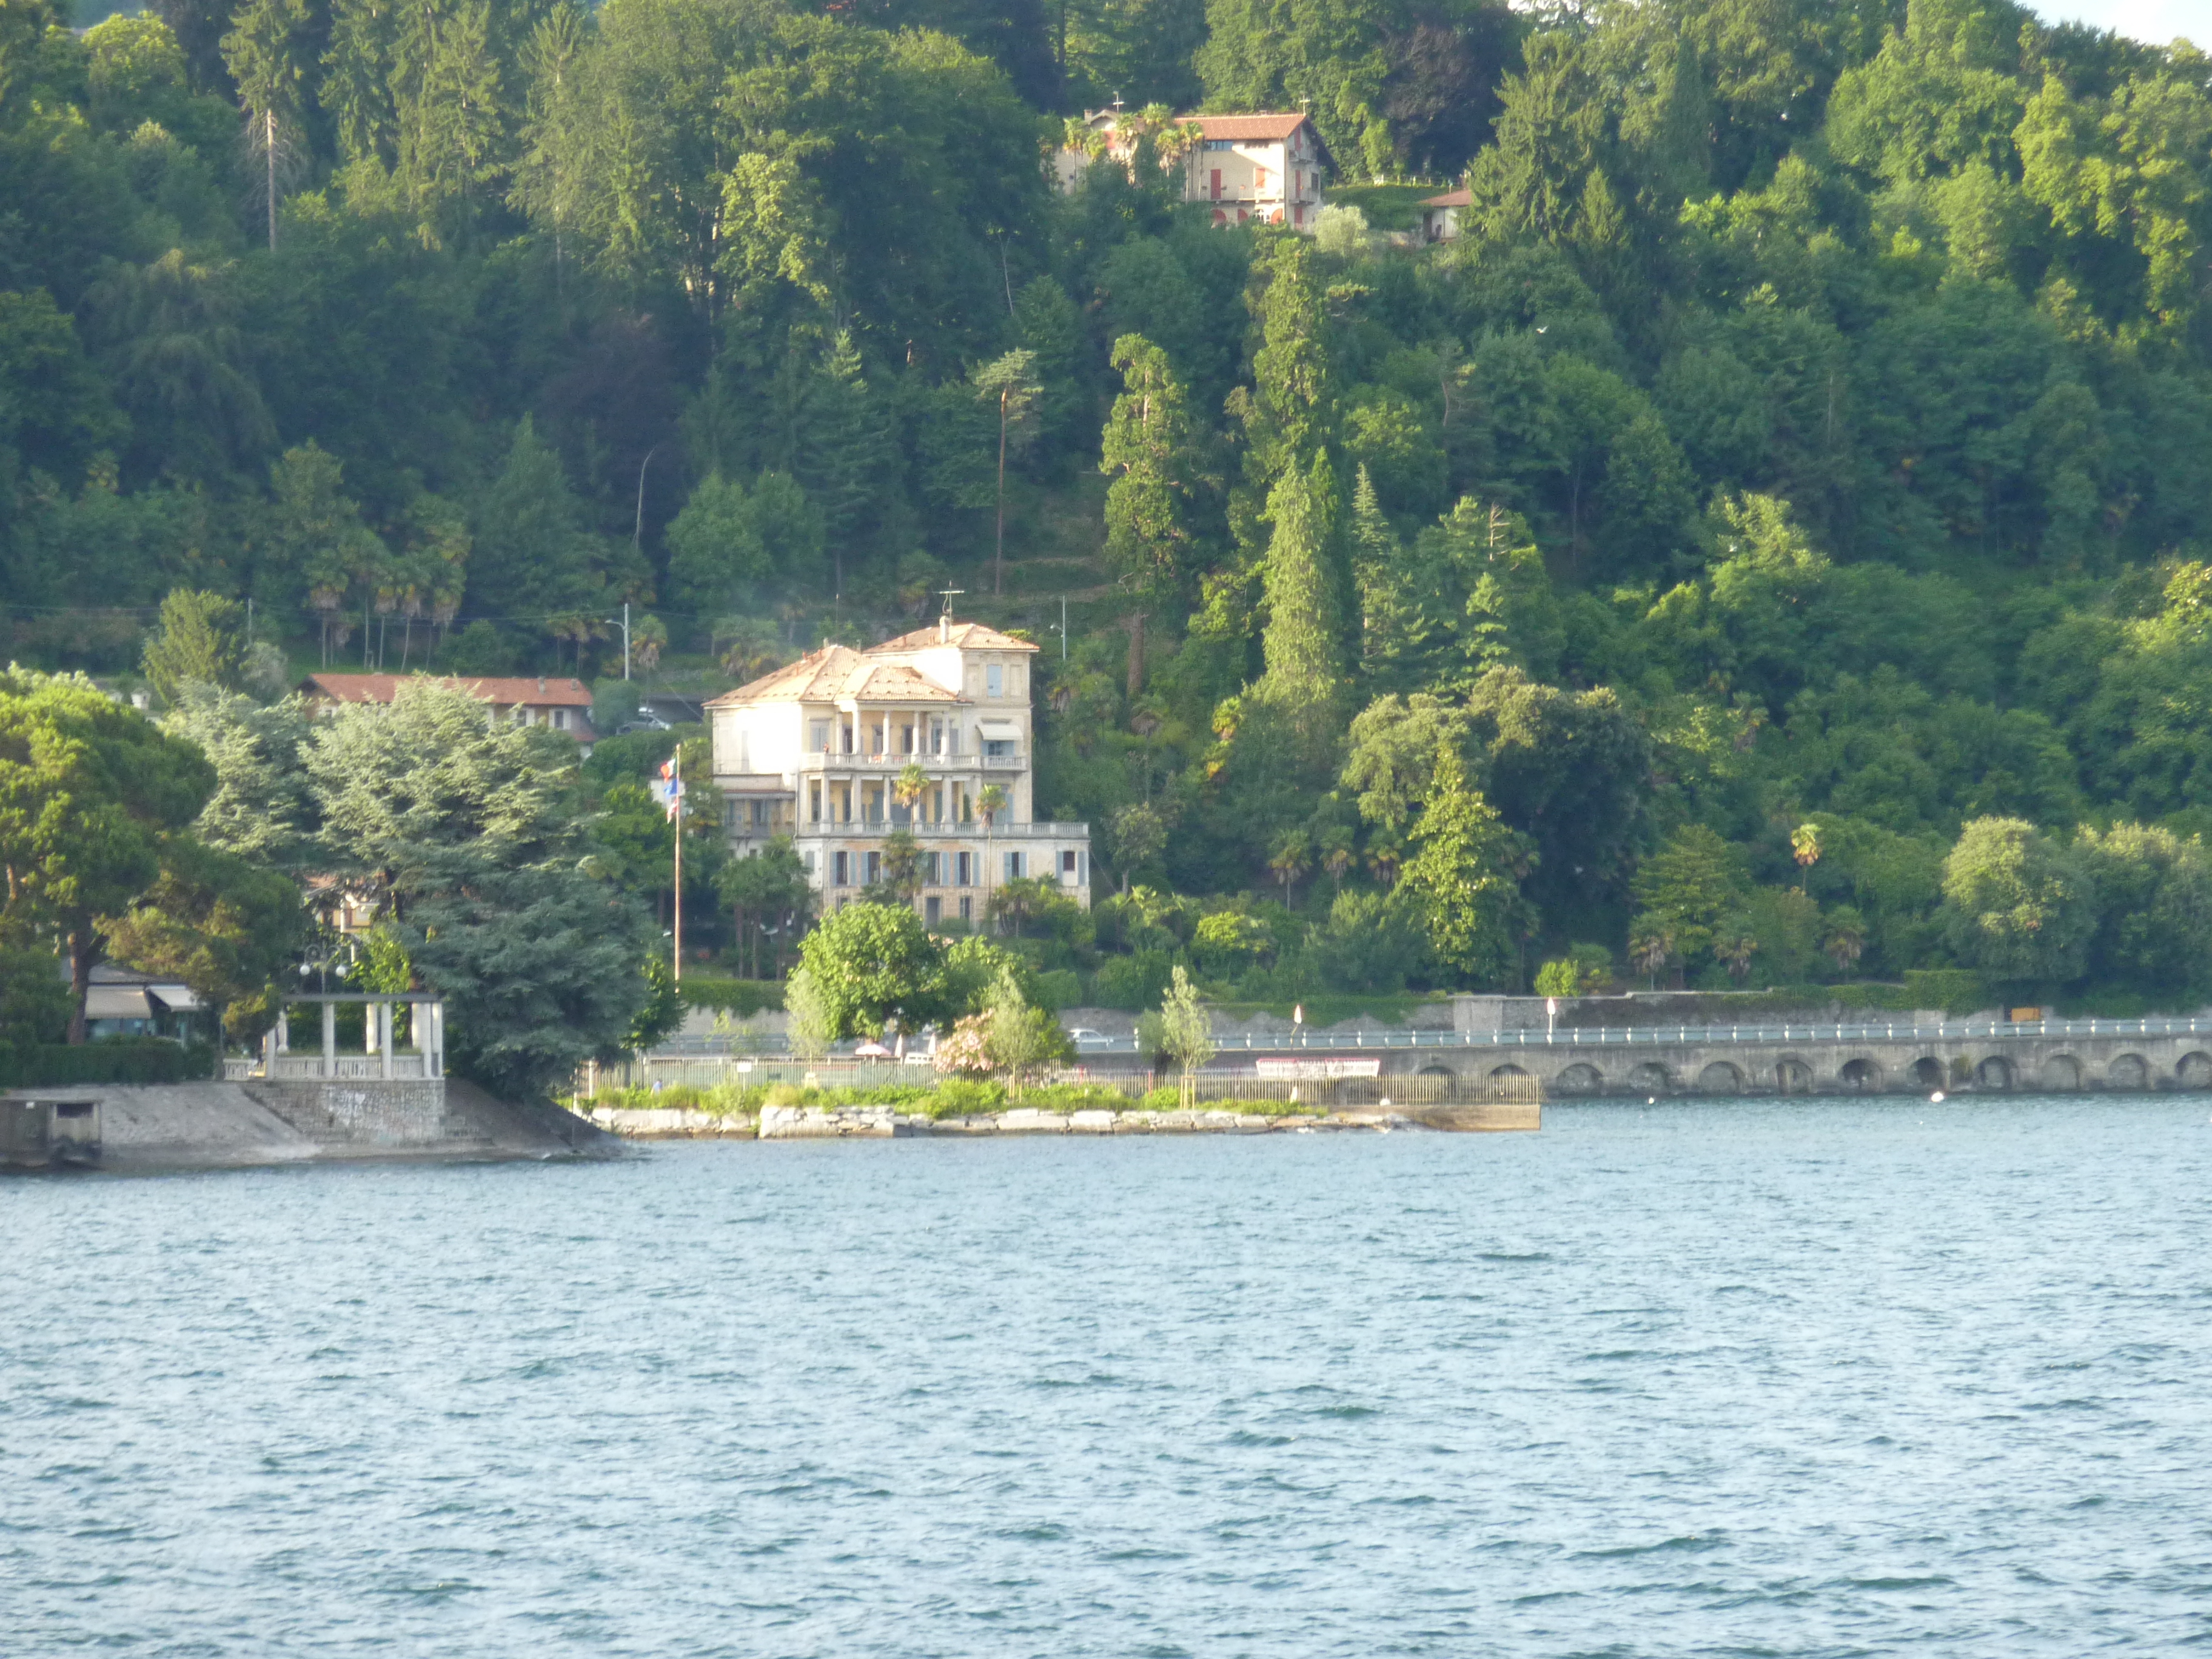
(737, 997)
(117, 1060)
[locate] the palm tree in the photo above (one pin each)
(1846, 939)
(990, 803)
(1336, 855)
(1292, 855)
(1734, 944)
(1383, 858)
(648, 638)
(910, 785)
(1650, 951)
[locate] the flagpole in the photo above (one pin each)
(679, 864)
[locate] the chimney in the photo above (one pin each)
(944, 628)
(541, 686)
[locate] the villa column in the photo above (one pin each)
(384, 1034)
(330, 1041)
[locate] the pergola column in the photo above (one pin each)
(330, 1040)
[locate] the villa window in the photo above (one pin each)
(994, 680)
(817, 736)
(840, 869)
(1013, 866)
(875, 869)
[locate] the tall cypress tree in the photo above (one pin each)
(1301, 641)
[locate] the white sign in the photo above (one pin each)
(1315, 1071)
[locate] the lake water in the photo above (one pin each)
(1800, 1378)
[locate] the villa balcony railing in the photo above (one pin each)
(974, 832)
(933, 764)
(340, 1068)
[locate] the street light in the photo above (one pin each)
(623, 623)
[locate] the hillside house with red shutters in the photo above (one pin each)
(1263, 166)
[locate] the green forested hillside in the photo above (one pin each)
(1768, 544)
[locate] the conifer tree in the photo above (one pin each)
(1459, 885)
(1303, 663)
(356, 91)
(1148, 452)
(264, 50)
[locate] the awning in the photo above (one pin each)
(1000, 730)
(117, 1002)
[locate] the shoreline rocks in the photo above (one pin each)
(884, 1123)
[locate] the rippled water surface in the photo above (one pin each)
(1739, 1378)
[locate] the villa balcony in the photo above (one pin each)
(859, 830)
(935, 765)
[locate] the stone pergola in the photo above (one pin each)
(420, 1058)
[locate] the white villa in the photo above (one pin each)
(815, 751)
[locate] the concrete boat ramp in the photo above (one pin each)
(148, 1127)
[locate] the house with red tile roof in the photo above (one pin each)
(1267, 165)
(564, 705)
(815, 751)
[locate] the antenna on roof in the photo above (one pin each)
(1117, 101)
(948, 595)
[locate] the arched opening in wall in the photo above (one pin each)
(1579, 1079)
(1928, 1073)
(1861, 1076)
(2060, 1071)
(2128, 1072)
(1720, 1078)
(2195, 1071)
(1436, 1070)
(1793, 1076)
(1651, 1078)
(1995, 1072)
(1507, 1071)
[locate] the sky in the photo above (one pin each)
(2156, 21)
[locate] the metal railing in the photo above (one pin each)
(1679, 1035)
(1616, 1036)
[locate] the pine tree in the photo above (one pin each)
(845, 452)
(355, 90)
(1148, 452)
(263, 50)
(453, 132)
(1386, 609)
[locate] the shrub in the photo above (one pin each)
(966, 1097)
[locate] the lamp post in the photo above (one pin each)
(623, 623)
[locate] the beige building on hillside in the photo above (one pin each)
(1264, 167)
(815, 752)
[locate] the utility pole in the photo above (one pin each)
(1063, 628)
